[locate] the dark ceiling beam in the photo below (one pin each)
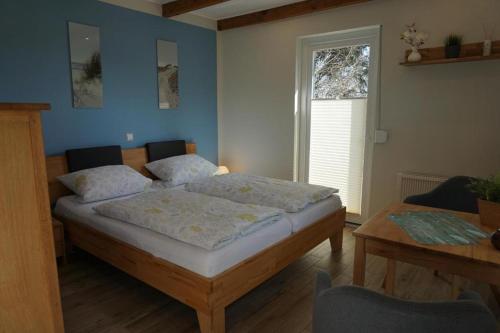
(283, 12)
(179, 7)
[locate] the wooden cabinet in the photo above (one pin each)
(29, 290)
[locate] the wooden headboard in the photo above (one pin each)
(134, 158)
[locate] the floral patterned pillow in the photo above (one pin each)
(181, 169)
(105, 182)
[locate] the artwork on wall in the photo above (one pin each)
(168, 75)
(86, 69)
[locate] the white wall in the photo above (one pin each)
(442, 119)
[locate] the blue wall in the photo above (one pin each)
(34, 67)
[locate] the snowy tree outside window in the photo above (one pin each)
(341, 73)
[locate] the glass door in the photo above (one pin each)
(336, 96)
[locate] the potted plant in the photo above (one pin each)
(452, 46)
(488, 191)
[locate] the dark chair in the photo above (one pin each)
(356, 310)
(453, 194)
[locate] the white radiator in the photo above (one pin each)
(415, 183)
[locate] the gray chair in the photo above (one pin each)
(351, 309)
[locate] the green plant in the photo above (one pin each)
(92, 68)
(453, 40)
(487, 189)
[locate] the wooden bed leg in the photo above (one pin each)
(212, 322)
(336, 241)
(68, 248)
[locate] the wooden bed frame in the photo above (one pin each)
(208, 296)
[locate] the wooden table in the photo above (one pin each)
(382, 237)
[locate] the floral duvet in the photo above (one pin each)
(257, 190)
(194, 218)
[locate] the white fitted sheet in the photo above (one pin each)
(314, 212)
(193, 258)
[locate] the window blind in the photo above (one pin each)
(337, 140)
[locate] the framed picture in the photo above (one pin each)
(168, 74)
(86, 69)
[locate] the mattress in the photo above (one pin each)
(314, 212)
(196, 259)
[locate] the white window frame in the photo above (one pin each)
(306, 45)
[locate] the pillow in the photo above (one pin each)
(181, 169)
(105, 182)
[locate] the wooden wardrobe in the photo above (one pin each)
(29, 289)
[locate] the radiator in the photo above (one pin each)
(415, 183)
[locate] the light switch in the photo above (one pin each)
(381, 136)
(130, 137)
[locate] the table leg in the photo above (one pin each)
(358, 277)
(455, 286)
(390, 277)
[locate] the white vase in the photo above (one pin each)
(487, 48)
(414, 55)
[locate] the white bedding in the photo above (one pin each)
(314, 212)
(264, 191)
(299, 220)
(193, 258)
(204, 262)
(194, 218)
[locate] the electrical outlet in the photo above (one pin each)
(130, 137)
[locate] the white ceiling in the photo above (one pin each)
(234, 7)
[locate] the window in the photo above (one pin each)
(337, 98)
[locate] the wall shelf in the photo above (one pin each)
(470, 52)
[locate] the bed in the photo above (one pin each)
(208, 281)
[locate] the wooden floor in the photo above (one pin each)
(100, 298)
